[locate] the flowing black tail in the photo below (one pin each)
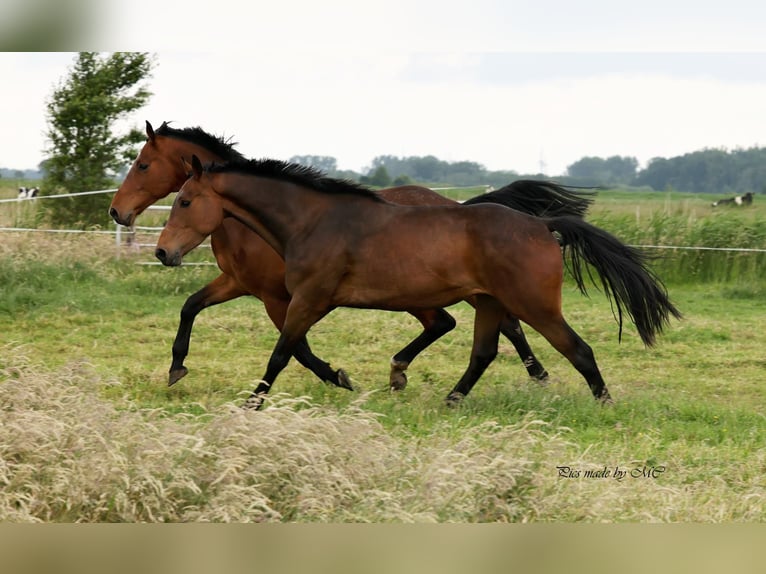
(539, 198)
(622, 271)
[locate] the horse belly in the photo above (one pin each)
(401, 298)
(405, 278)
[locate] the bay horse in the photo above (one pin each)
(335, 238)
(249, 265)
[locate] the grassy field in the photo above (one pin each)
(92, 433)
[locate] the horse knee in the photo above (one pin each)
(188, 312)
(192, 306)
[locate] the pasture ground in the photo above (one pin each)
(92, 433)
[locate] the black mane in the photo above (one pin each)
(217, 145)
(295, 173)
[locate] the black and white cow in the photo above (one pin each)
(746, 199)
(28, 193)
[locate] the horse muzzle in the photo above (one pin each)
(168, 259)
(125, 220)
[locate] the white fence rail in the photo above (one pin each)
(124, 236)
(120, 231)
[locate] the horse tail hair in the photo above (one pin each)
(539, 198)
(627, 281)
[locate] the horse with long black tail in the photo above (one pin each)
(338, 249)
(250, 266)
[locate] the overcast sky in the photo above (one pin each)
(504, 84)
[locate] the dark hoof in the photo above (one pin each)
(542, 380)
(454, 399)
(344, 382)
(398, 381)
(176, 375)
(253, 403)
(607, 400)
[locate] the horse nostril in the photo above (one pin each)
(161, 254)
(113, 213)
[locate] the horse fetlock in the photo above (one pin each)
(535, 369)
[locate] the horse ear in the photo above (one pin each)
(187, 167)
(149, 131)
(196, 167)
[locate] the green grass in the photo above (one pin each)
(85, 346)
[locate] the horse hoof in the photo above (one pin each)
(398, 381)
(454, 399)
(542, 380)
(344, 382)
(176, 375)
(605, 398)
(253, 403)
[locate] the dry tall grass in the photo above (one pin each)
(67, 454)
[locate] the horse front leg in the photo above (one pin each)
(223, 288)
(301, 316)
(436, 323)
(511, 328)
(276, 308)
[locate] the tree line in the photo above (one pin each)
(704, 171)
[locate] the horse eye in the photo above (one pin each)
(143, 166)
(184, 203)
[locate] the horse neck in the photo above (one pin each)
(276, 210)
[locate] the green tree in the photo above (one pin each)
(600, 171)
(380, 177)
(86, 151)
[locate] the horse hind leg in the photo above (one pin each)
(567, 342)
(511, 328)
(436, 323)
(486, 332)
